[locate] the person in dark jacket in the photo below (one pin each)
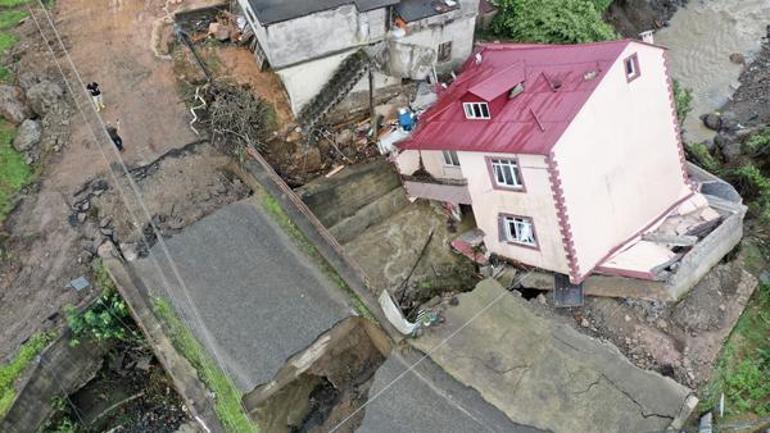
(113, 133)
(96, 95)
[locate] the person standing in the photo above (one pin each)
(112, 131)
(96, 95)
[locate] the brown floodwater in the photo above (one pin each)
(701, 37)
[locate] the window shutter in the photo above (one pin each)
(501, 228)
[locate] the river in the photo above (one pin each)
(701, 37)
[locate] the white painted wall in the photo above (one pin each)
(619, 161)
(305, 80)
(536, 202)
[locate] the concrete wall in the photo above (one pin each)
(305, 80)
(62, 369)
(536, 203)
(316, 35)
(619, 160)
(430, 33)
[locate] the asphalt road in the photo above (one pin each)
(259, 299)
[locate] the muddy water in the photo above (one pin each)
(701, 38)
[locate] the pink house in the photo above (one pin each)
(565, 154)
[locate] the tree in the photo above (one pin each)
(551, 21)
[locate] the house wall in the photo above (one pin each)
(430, 33)
(316, 35)
(408, 162)
(536, 203)
(619, 161)
(305, 80)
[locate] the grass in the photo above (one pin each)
(14, 172)
(11, 371)
(274, 209)
(11, 18)
(13, 3)
(744, 367)
(228, 400)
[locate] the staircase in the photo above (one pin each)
(352, 69)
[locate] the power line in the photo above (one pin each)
(132, 185)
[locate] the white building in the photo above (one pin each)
(306, 42)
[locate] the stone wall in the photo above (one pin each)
(60, 369)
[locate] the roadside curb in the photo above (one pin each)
(197, 398)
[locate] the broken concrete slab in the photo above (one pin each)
(426, 399)
(544, 373)
(257, 299)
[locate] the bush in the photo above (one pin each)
(552, 21)
(700, 155)
(754, 187)
(683, 101)
(758, 142)
(108, 317)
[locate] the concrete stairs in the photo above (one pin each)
(352, 69)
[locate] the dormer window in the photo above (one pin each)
(631, 65)
(516, 90)
(476, 110)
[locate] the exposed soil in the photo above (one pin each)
(42, 249)
(681, 340)
(631, 17)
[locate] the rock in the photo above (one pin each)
(44, 96)
(731, 150)
(28, 79)
(737, 58)
(584, 322)
(219, 31)
(27, 135)
(106, 249)
(729, 121)
(541, 299)
(12, 105)
(82, 217)
(130, 251)
(712, 121)
(105, 222)
(106, 231)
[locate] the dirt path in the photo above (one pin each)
(110, 43)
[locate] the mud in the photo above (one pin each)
(681, 340)
(631, 17)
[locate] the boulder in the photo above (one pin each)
(309, 159)
(12, 105)
(731, 149)
(28, 79)
(219, 31)
(712, 121)
(44, 96)
(27, 135)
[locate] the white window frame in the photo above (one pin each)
(444, 52)
(505, 169)
(476, 110)
(520, 230)
(450, 158)
(630, 65)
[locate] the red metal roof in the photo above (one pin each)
(558, 80)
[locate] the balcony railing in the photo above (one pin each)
(445, 190)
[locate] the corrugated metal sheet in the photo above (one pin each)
(556, 88)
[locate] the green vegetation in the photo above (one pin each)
(271, 205)
(228, 401)
(754, 186)
(743, 370)
(602, 5)
(14, 172)
(700, 154)
(683, 101)
(552, 21)
(12, 3)
(108, 317)
(758, 142)
(11, 18)
(11, 371)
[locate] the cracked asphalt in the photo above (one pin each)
(258, 297)
(545, 374)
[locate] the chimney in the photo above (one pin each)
(648, 36)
